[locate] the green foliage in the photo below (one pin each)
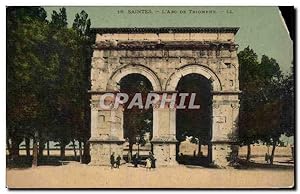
(59, 20)
(288, 105)
(266, 100)
(26, 29)
(48, 67)
(82, 24)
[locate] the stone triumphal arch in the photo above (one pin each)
(164, 56)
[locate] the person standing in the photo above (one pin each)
(152, 158)
(112, 160)
(135, 160)
(118, 162)
(129, 156)
(148, 164)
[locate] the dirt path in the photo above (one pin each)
(84, 176)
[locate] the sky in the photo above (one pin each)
(261, 28)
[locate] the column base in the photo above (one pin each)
(164, 150)
(224, 154)
(101, 150)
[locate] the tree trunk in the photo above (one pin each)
(27, 145)
(248, 152)
(199, 149)
(15, 147)
(209, 152)
(293, 152)
(48, 148)
(80, 152)
(74, 149)
(86, 152)
(41, 148)
(8, 147)
(130, 147)
(35, 153)
(62, 150)
(272, 153)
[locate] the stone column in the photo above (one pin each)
(106, 132)
(224, 127)
(164, 135)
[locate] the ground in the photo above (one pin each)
(84, 176)
(75, 175)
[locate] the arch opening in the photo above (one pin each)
(114, 80)
(193, 126)
(137, 123)
(194, 69)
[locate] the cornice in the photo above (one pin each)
(167, 30)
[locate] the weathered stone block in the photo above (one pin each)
(203, 36)
(181, 36)
(100, 38)
(121, 37)
(165, 153)
(153, 53)
(226, 37)
(225, 53)
(98, 53)
(135, 54)
(186, 61)
(181, 53)
(104, 37)
(221, 154)
(112, 60)
(151, 36)
(166, 36)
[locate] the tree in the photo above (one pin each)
(47, 78)
(268, 124)
(72, 50)
(261, 105)
(25, 27)
(249, 79)
(278, 110)
(288, 103)
(82, 24)
(84, 40)
(59, 19)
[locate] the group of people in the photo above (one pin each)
(115, 162)
(150, 161)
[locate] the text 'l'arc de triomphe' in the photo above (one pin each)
(163, 56)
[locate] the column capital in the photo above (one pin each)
(107, 139)
(100, 92)
(215, 105)
(164, 139)
(220, 93)
(93, 106)
(235, 105)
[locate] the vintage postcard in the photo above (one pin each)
(150, 97)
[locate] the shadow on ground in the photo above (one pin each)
(243, 164)
(24, 162)
(196, 162)
(193, 161)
